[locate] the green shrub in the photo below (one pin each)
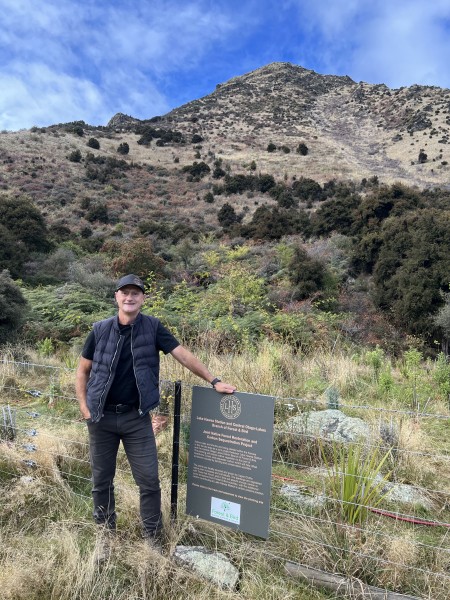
(302, 149)
(63, 312)
(98, 212)
(93, 143)
(197, 170)
(75, 156)
(123, 148)
(12, 308)
(354, 483)
(307, 274)
(227, 216)
(45, 347)
(13, 253)
(307, 189)
(25, 223)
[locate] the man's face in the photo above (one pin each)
(129, 299)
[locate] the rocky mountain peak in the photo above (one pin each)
(120, 121)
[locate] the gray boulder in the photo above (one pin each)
(329, 424)
(402, 493)
(305, 501)
(213, 566)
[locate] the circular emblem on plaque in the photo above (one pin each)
(230, 406)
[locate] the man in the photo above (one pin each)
(117, 385)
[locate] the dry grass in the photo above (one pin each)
(47, 538)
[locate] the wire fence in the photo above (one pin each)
(407, 535)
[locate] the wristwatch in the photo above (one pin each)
(214, 381)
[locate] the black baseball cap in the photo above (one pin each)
(130, 280)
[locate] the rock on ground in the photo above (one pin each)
(213, 566)
(329, 424)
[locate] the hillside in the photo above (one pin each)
(352, 131)
(281, 151)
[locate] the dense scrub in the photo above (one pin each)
(317, 250)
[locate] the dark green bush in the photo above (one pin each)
(75, 156)
(24, 222)
(307, 189)
(164, 136)
(197, 170)
(227, 216)
(12, 308)
(307, 274)
(98, 212)
(93, 143)
(123, 148)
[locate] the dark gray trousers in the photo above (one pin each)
(138, 440)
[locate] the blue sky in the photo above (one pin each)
(66, 60)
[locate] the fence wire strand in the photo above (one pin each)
(18, 419)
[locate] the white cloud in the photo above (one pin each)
(88, 59)
(31, 93)
(381, 41)
(106, 56)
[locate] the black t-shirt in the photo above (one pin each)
(124, 389)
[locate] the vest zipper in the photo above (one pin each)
(134, 371)
(103, 396)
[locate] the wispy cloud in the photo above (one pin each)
(397, 43)
(95, 59)
(64, 60)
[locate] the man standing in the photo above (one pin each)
(117, 385)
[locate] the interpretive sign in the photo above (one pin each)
(230, 459)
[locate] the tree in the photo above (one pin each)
(93, 143)
(13, 252)
(197, 170)
(134, 256)
(307, 189)
(385, 202)
(227, 216)
(307, 274)
(271, 147)
(98, 212)
(302, 149)
(442, 320)
(24, 222)
(75, 156)
(272, 223)
(265, 183)
(412, 267)
(336, 214)
(12, 305)
(123, 148)
(422, 157)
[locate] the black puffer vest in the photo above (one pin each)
(108, 344)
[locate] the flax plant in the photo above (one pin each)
(356, 481)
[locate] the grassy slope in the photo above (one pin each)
(47, 536)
